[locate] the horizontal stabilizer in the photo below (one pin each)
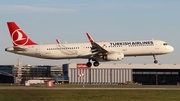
(19, 49)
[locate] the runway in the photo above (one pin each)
(59, 88)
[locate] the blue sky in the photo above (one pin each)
(106, 20)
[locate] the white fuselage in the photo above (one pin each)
(83, 50)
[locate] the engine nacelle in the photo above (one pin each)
(116, 56)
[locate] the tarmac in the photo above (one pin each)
(59, 88)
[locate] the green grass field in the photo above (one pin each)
(89, 95)
(94, 86)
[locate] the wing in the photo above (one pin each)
(96, 49)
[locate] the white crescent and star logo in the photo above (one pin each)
(19, 38)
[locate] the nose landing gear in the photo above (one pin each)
(155, 61)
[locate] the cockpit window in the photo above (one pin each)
(164, 44)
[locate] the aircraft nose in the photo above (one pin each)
(171, 49)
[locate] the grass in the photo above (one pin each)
(94, 86)
(88, 95)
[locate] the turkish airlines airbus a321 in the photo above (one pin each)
(92, 51)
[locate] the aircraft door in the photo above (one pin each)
(157, 45)
(124, 48)
(83, 49)
(37, 51)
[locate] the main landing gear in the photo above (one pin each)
(155, 61)
(89, 64)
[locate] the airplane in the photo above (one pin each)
(92, 51)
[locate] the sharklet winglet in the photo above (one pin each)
(57, 41)
(90, 38)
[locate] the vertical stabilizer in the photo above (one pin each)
(18, 36)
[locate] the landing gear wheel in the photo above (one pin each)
(96, 63)
(155, 61)
(88, 64)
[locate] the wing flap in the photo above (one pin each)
(97, 48)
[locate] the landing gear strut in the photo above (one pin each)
(155, 61)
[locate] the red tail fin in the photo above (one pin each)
(18, 36)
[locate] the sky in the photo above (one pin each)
(105, 20)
